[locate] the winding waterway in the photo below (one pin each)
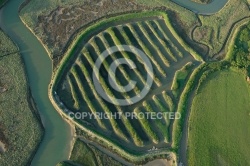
(205, 9)
(55, 146)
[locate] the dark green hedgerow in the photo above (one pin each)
(239, 49)
(199, 75)
(182, 106)
(237, 59)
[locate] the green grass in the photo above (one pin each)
(126, 122)
(124, 54)
(161, 108)
(74, 94)
(147, 126)
(147, 51)
(19, 125)
(82, 154)
(88, 155)
(105, 108)
(180, 78)
(239, 53)
(121, 68)
(220, 121)
(83, 91)
(170, 43)
(182, 105)
(154, 45)
(7, 46)
(166, 47)
(215, 34)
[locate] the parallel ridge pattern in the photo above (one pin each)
(155, 40)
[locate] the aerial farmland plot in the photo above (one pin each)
(74, 90)
(124, 83)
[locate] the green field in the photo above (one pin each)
(220, 112)
(215, 35)
(88, 155)
(20, 131)
(82, 154)
(220, 121)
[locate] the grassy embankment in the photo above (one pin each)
(82, 154)
(222, 104)
(86, 154)
(202, 72)
(180, 79)
(215, 35)
(20, 130)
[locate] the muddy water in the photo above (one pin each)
(55, 146)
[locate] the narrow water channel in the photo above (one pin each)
(204, 9)
(55, 146)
